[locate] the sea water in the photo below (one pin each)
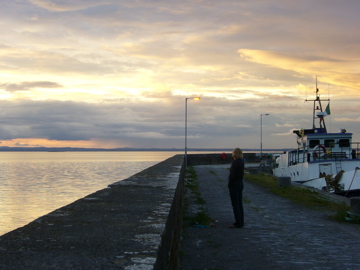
(33, 184)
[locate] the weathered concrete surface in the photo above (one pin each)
(278, 233)
(132, 224)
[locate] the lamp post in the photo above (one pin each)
(261, 115)
(185, 157)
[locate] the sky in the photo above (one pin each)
(116, 73)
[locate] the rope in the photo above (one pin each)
(356, 169)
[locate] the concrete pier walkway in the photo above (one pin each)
(278, 233)
(132, 224)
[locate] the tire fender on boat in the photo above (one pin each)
(315, 151)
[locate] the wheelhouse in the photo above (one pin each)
(317, 147)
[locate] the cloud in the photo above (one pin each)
(288, 133)
(330, 69)
(67, 5)
(25, 86)
(211, 122)
(346, 119)
(22, 144)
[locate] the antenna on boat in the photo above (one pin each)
(328, 112)
(318, 112)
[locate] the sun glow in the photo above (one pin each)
(39, 142)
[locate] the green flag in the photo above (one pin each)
(327, 110)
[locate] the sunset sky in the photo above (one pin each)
(115, 73)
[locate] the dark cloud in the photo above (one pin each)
(138, 124)
(212, 122)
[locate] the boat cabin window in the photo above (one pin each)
(329, 143)
(344, 143)
(313, 143)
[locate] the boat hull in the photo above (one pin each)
(312, 174)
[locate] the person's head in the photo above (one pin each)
(237, 153)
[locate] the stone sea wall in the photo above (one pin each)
(132, 224)
(208, 159)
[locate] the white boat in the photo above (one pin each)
(326, 161)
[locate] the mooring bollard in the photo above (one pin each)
(284, 181)
(355, 205)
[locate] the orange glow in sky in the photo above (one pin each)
(36, 142)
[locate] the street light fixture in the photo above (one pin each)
(186, 99)
(261, 115)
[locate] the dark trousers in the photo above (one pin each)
(236, 201)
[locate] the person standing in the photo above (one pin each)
(236, 187)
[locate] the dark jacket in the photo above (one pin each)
(236, 171)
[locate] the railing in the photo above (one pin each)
(331, 156)
(306, 155)
(357, 148)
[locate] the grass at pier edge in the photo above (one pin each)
(303, 196)
(200, 218)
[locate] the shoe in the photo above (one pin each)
(235, 226)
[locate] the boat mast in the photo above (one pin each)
(318, 112)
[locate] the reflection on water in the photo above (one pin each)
(33, 184)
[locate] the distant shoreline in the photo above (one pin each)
(126, 149)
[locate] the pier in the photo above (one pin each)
(136, 223)
(131, 224)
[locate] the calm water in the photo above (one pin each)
(33, 184)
